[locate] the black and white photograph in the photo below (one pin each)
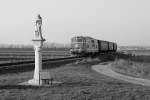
(75, 50)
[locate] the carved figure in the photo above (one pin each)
(38, 32)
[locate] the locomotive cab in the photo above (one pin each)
(77, 45)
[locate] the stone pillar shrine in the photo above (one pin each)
(37, 43)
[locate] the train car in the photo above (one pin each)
(103, 46)
(82, 45)
(114, 47)
(111, 46)
(78, 45)
(91, 45)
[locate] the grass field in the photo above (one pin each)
(132, 68)
(79, 83)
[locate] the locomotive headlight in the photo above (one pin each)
(80, 50)
(71, 50)
(76, 46)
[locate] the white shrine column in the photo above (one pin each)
(38, 60)
(37, 43)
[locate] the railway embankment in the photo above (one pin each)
(23, 66)
(132, 65)
(108, 70)
(132, 68)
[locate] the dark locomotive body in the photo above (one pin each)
(81, 45)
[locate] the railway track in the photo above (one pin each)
(19, 63)
(28, 65)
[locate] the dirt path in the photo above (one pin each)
(106, 70)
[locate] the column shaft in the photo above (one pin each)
(38, 62)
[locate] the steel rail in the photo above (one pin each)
(8, 64)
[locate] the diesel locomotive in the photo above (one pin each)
(84, 45)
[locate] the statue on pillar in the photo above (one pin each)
(37, 43)
(38, 24)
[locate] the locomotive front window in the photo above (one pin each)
(79, 40)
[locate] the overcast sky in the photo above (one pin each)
(126, 22)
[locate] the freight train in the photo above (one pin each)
(84, 45)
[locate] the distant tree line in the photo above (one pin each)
(46, 46)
